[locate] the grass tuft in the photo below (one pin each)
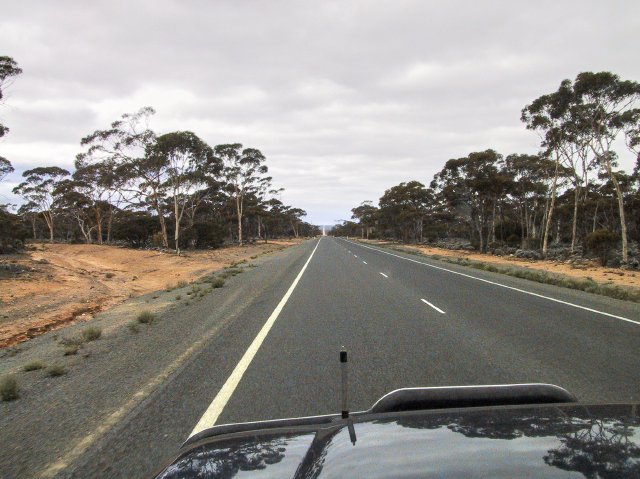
(146, 317)
(33, 366)
(56, 370)
(109, 275)
(134, 327)
(9, 390)
(217, 283)
(91, 334)
(178, 297)
(71, 349)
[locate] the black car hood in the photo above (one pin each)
(591, 441)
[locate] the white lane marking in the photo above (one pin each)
(384, 275)
(214, 410)
(364, 262)
(434, 307)
(507, 287)
(355, 255)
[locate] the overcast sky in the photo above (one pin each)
(346, 99)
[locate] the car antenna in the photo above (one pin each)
(344, 373)
(345, 395)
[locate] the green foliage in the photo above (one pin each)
(217, 283)
(146, 317)
(34, 366)
(602, 242)
(56, 370)
(91, 334)
(12, 232)
(9, 390)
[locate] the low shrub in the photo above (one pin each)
(56, 370)
(146, 317)
(9, 390)
(91, 334)
(217, 283)
(33, 366)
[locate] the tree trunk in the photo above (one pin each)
(48, 217)
(239, 211)
(623, 223)
(552, 203)
(98, 225)
(176, 234)
(109, 223)
(33, 227)
(574, 226)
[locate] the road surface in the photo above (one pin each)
(406, 321)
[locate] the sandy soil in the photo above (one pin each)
(592, 270)
(59, 284)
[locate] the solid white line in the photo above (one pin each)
(434, 307)
(505, 286)
(364, 262)
(214, 410)
(384, 275)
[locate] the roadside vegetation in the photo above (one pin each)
(34, 366)
(131, 185)
(586, 284)
(568, 201)
(9, 390)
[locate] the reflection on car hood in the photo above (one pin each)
(549, 441)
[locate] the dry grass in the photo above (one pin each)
(9, 390)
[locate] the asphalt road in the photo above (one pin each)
(406, 321)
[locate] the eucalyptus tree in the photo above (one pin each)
(294, 216)
(8, 70)
(29, 212)
(471, 186)
(114, 165)
(81, 207)
(245, 173)
(187, 164)
(39, 187)
(405, 206)
(99, 183)
(366, 214)
(608, 106)
(549, 115)
(5, 168)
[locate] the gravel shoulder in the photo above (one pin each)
(57, 420)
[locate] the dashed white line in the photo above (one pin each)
(214, 410)
(434, 307)
(355, 255)
(384, 275)
(364, 262)
(505, 286)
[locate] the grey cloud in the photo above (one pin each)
(345, 98)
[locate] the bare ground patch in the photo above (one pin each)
(55, 285)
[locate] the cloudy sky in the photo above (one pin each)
(345, 99)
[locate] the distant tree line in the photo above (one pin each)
(571, 192)
(172, 190)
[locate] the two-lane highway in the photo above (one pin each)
(406, 322)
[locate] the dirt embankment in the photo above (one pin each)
(597, 273)
(57, 284)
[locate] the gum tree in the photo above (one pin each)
(39, 187)
(187, 164)
(608, 106)
(245, 174)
